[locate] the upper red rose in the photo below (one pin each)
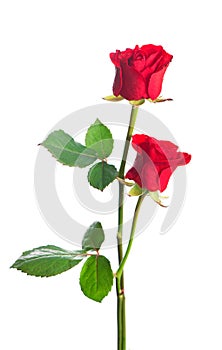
(140, 72)
(155, 162)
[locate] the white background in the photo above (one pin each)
(55, 60)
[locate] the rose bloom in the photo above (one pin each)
(140, 72)
(155, 162)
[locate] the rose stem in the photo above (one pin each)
(133, 229)
(121, 317)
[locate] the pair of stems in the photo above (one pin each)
(121, 314)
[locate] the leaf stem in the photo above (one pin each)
(121, 318)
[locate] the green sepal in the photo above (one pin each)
(156, 197)
(137, 102)
(68, 152)
(96, 277)
(126, 183)
(159, 99)
(48, 261)
(136, 190)
(94, 237)
(112, 98)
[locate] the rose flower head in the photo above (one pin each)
(140, 72)
(155, 162)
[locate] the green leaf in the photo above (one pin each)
(101, 175)
(99, 139)
(47, 261)
(94, 237)
(137, 102)
(96, 278)
(68, 152)
(112, 98)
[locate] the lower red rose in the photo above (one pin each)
(155, 162)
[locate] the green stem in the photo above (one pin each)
(133, 229)
(121, 322)
(119, 280)
(121, 317)
(132, 122)
(134, 112)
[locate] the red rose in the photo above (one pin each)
(155, 162)
(140, 72)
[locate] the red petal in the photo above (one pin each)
(132, 174)
(167, 145)
(156, 51)
(164, 177)
(117, 82)
(118, 55)
(166, 58)
(133, 84)
(150, 49)
(153, 61)
(150, 177)
(184, 159)
(165, 174)
(155, 162)
(138, 140)
(155, 83)
(135, 172)
(163, 151)
(115, 58)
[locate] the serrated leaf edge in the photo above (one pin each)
(96, 124)
(97, 257)
(82, 253)
(91, 248)
(103, 175)
(59, 161)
